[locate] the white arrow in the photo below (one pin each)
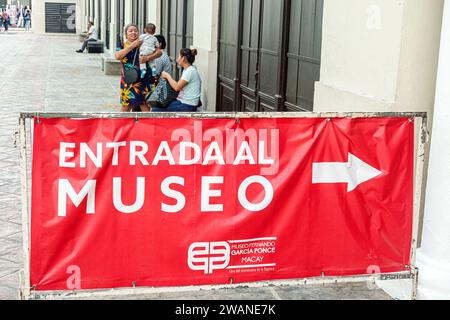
(354, 172)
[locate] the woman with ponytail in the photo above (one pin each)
(189, 86)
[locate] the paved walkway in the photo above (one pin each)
(39, 73)
(43, 73)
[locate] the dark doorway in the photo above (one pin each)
(269, 54)
(177, 26)
(108, 25)
(60, 17)
(100, 19)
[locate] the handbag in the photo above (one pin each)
(163, 96)
(131, 75)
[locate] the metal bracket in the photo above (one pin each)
(15, 138)
(415, 283)
(384, 277)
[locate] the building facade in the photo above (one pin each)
(297, 55)
(256, 55)
(16, 3)
(294, 55)
(285, 55)
(56, 16)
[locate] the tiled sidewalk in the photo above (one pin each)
(43, 73)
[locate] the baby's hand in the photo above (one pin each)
(136, 43)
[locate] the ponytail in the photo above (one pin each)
(189, 54)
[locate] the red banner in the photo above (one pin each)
(173, 202)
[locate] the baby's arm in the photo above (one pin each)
(151, 57)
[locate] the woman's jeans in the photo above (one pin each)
(27, 24)
(176, 106)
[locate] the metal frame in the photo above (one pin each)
(220, 115)
(27, 293)
(418, 188)
(24, 275)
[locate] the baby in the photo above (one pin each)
(149, 45)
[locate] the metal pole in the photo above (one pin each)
(121, 292)
(25, 277)
(423, 139)
(220, 115)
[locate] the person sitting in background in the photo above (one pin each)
(189, 86)
(92, 35)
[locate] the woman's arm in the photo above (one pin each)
(151, 57)
(176, 85)
(119, 55)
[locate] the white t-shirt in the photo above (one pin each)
(149, 45)
(191, 93)
(94, 33)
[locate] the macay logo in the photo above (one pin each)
(208, 256)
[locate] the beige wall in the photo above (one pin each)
(419, 55)
(379, 55)
(433, 257)
(206, 19)
(38, 14)
(103, 22)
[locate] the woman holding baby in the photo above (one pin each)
(133, 95)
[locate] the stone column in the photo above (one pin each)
(128, 12)
(95, 13)
(91, 9)
(103, 19)
(96, 19)
(113, 27)
(433, 258)
(153, 13)
(84, 16)
(206, 23)
(81, 16)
